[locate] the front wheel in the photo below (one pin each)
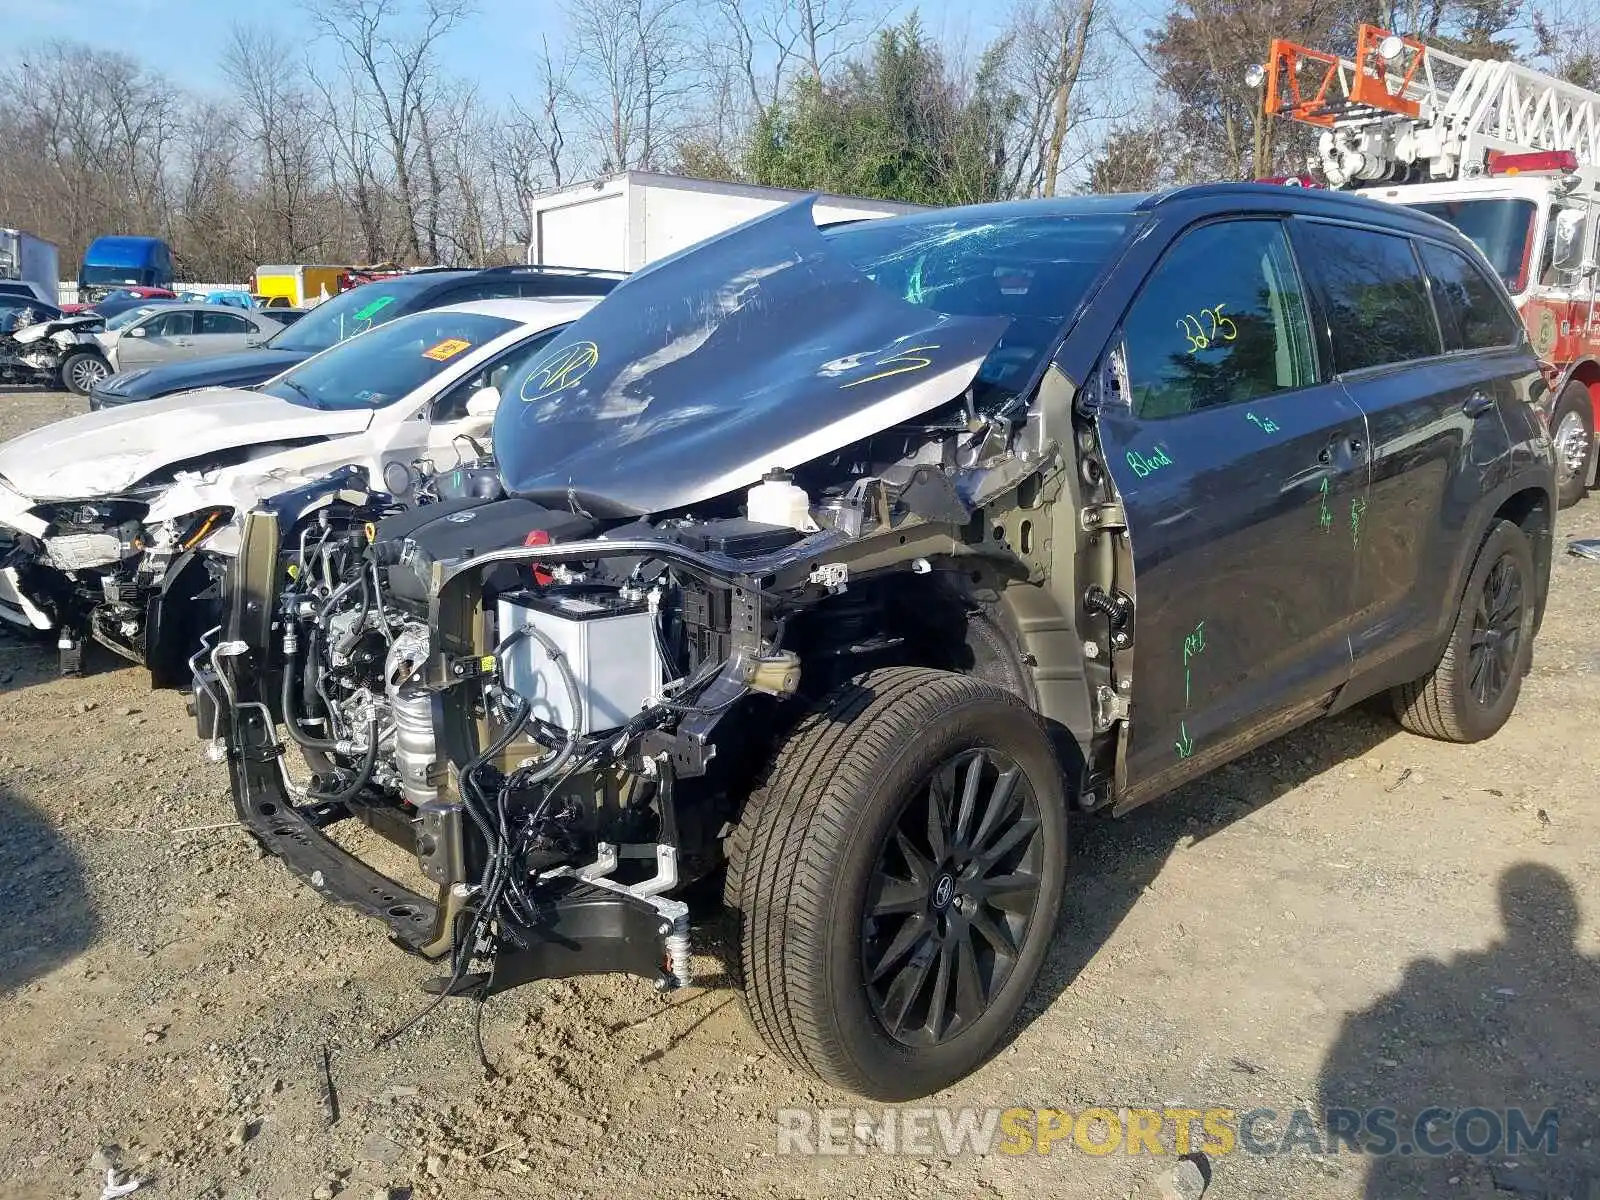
(1472, 691)
(1572, 428)
(82, 370)
(898, 876)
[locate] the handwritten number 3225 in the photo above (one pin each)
(1209, 326)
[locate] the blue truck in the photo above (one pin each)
(123, 261)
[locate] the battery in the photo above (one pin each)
(606, 641)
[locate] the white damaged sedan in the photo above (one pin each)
(103, 517)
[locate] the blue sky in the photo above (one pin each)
(184, 39)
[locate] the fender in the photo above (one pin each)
(1482, 513)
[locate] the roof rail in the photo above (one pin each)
(552, 268)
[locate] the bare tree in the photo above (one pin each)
(1051, 41)
(395, 71)
(635, 58)
(276, 115)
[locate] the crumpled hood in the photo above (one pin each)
(759, 348)
(40, 330)
(106, 453)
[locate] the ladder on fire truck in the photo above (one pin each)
(1404, 111)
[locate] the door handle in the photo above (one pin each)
(1325, 456)
(1477, 405)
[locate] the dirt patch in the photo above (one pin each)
(1351, 918)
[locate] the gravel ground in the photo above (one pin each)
(1352, 917)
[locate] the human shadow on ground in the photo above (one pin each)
(47, 916)
(1473, 1050)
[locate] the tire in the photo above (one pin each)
(1467, 698)
(845, 804)
(1572, 430)
(82, 369)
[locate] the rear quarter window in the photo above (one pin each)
(1472, 314)
(1375, 297)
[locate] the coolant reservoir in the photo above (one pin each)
(777, 500)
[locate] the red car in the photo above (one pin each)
(113, 302)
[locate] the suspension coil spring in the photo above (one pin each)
(679, 953)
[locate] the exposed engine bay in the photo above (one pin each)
(560, 714)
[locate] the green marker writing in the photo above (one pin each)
(1184, 744)
(1193, 644)
(1357, 507)
(1324, 514)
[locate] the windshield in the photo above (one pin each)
(1499, 227)
(105, 275)
(1031, 267)
(777, 341)
(343, 316)
(128, 316)
(378, 369)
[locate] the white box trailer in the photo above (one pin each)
(31, 260)
(623, 221)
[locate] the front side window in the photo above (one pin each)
(390, 362)
(170, 324)
(1472, 315)
(1222, 319)
(1378, 307)
(452, 406)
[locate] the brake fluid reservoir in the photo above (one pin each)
(778, 500)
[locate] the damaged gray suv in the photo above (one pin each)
(864, 561)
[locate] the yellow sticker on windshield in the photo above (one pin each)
(448, 348)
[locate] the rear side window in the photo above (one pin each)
(1378, 307)
(1221, 320)
(1471, 314)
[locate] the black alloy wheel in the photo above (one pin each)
(1496, 632)
(952, 898)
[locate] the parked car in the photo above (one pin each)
(865, 560)
(149, 335)
(40, 346)
(346, 315)
(110, 303)
(23, 290)
(103, 516)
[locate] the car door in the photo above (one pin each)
(1239, 462)
(221, 333)
(156, 339)
(1433, 412)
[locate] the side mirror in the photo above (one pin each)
(483, 402)
(136, 331)
(1568, 255)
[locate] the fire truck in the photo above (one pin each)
(1508, 155)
